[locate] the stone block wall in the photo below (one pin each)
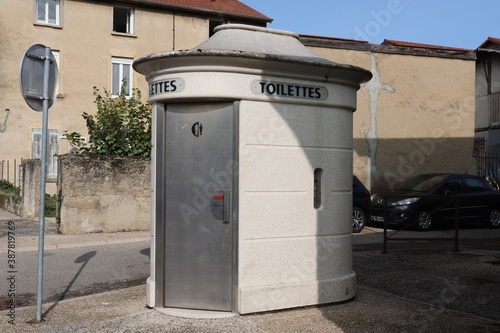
(103, 194)
(27, 204)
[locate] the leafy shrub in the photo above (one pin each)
(50, 205)
(121, 126)
(8, 188)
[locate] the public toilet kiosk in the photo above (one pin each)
(251, 174)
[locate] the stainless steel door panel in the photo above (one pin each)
(198, 244)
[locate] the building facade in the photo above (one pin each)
(487, 126)
(94, 43)
(416, 115)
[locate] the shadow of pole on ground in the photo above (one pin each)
(84, 258)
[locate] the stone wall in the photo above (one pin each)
(10, 203)
(27, 204)
(30, 188)
(103, 194)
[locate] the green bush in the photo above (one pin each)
(121, 126)
(50, 200)
(50, 205)
(8, 188)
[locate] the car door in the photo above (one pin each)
(446, 195)
(476, 197)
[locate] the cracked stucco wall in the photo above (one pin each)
(374, 88)
(416, 115)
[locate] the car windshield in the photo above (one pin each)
(421, 183)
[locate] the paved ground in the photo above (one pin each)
(26, 235)
(417, 290)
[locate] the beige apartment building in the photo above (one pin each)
(95, 43)
(416, 114)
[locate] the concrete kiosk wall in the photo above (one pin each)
(291, 167)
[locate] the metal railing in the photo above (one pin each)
(9, 171)
(488, 166)
(391, 237)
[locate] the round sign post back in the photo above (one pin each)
(39, 77)
(31, 77)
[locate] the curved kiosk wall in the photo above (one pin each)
(252, 174)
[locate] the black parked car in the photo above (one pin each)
(361, 205)
(430, 198)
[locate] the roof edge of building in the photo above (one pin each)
(413, 50)
(148, 3)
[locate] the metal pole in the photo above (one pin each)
(43, 171)
(385, 227)
(457, 205)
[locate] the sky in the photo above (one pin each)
(453, 23)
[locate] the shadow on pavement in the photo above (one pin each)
(84, 258)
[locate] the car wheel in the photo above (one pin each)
(358, 219)
(493, 220)
(424, 220)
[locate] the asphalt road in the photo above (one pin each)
(79, 271)
(420, 285)
(73, 272)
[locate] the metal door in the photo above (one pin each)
(198, 184)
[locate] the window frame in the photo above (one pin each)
(57, 56)
(130, 24)
(121, 61)
(212, 25)
(46, 19)
(53, 138)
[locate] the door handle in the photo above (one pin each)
(220, 205)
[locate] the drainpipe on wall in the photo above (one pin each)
(173, 33)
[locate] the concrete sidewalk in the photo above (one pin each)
(419, 290)
(27, 231)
